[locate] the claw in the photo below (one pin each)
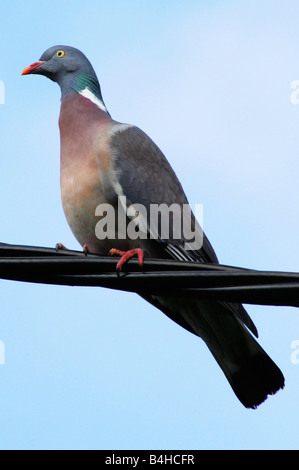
(60, 246)
(85, 250)
(126, 255)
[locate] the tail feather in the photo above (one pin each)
(250, 371)
(256, 380)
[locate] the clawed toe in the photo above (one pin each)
(60, 246)
(126, 255)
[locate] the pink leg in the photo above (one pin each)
(126, 255)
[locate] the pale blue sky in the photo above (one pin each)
(209, 81)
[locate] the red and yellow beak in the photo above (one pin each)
(33, 67)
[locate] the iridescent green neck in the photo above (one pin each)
(89, 81)
(87, 85)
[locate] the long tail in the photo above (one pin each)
(250, 371)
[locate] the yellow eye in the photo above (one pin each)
(60, 53)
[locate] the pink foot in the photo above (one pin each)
(60, 246)
(85, 250)
(126, 255)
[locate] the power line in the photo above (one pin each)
(167, 277)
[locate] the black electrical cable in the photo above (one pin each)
(176, 278)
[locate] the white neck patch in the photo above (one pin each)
(94, 99)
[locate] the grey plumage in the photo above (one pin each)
(101, 159)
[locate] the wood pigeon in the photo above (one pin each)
(105, 163)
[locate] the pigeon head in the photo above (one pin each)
(69, 67)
